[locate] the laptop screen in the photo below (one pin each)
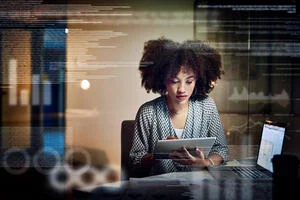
(271, 144)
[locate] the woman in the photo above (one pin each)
(183, 74)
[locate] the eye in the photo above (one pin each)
(174, 81)
(189, 82)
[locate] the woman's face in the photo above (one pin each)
(181, 87)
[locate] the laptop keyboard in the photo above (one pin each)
(250, 172)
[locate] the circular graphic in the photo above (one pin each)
(112, 173)
(88, 177)
(16, 161)
(100, 175)
(78, 161)
(60, 178)
(45, 160)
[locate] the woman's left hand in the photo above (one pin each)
(184, 157)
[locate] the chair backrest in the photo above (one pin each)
(127, 130)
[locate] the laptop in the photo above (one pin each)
(271, 144)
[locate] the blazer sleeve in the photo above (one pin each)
(142, 128)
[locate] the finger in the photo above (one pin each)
(202, 155)
(176, 155)
(198, 152)
(186, 153)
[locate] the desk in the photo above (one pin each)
(187, 185)
(181, 185)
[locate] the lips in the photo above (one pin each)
(181, 97)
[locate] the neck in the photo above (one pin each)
(176, 108)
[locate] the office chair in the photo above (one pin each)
(127, 171)
(127, 130)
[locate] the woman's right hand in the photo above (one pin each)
(184, 157)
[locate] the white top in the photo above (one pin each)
(178, 132)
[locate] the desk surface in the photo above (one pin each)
(181, 185)
(185, 185)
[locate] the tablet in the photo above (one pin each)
(164, 147)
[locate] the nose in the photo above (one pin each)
(181, 88)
